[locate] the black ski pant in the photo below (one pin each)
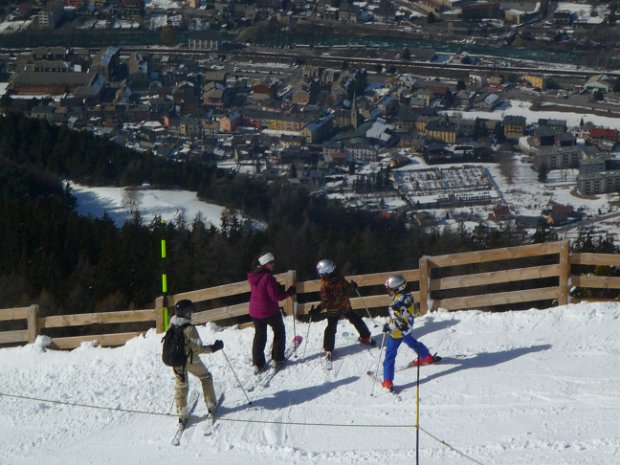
(260, 339)
(329, 336)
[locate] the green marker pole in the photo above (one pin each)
(164, 282)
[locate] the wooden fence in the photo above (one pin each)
(540, 274)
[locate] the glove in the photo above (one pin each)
(281, 287)
(400, 324)
(217, 345)
(291, 291)
(314, 312)
(386, 328)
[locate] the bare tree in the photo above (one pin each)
(132, 199)
(505, 160)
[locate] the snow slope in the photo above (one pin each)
(167, 204)
(526, 387)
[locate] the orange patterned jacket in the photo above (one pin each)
(335, 294)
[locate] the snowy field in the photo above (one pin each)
(522, 108)
(169, 204)
(516, 388)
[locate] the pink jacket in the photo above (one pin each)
(266, 293)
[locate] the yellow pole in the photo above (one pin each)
(164, 282)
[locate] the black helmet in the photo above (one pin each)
(184, 308)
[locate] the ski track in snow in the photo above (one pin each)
(514, 388)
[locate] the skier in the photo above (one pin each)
(399, 326)
(193, 347)
(264, 311)
(335, 294)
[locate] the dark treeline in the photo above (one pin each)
(69, 263)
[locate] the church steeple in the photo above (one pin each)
(354, 114)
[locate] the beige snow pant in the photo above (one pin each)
(182, 386)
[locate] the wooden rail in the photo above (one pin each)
(539, 274)
(90, 319)
(482, 279)
(28, 316)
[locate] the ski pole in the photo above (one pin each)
(307, 334)
(378, 363)
(417, 417)
(236, 377)
(366, 307)
(294, 320)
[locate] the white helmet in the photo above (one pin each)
(396, 283)
(325, 267)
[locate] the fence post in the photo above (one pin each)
(160, 324)
(425, 276)
(290, 280)
(33, 323)
(564, 273)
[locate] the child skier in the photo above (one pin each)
(193, 347)
(335, 294)
(399, 326)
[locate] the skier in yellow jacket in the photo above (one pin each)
(400, 326)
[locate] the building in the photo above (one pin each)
(558, 125)
(478, 79)
(605, 139)
(129, 9)
(481, 10)
(564, 157)
(190, 127)
(50, 53)
(204, 40)
(228, 123)
(514, 126)
(213, 97)
(106, 62)
(442, 130)
(54, 83)
(361, 150)
(51, 15)
(599, 176)
(486, 102)
(536, 81)
(601, 83)
(317, 130)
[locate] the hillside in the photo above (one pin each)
(528, 387)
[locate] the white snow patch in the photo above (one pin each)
(533, 386)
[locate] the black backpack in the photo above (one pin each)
(174, 353)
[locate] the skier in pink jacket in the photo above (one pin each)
(265, 311)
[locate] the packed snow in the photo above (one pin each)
(519, 387)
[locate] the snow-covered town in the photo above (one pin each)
(310, 125)
(451, 131)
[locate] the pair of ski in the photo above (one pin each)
(265, 377)
(191, 406)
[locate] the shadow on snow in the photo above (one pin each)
(481, 360)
